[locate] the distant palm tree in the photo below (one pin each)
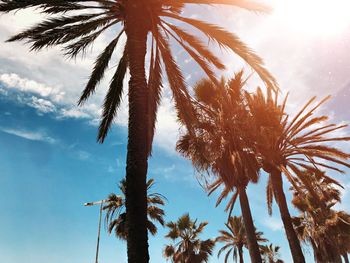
(271, 254)
(116, 216)
(220, 143)
(187, 248)
(235, 238)
(76, 24)
(288, 146)
(319, 224)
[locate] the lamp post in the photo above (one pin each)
(101, 202)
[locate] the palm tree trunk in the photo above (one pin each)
(137, 157)
(240, 253)
(293, 240)
(346, 259)
(253, 246)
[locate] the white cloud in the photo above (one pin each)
(273, 223)
(167, 129)
(42, 105)
(14, 81)
(73, 113)
(30, 135)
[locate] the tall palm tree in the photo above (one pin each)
(271, 254)
(220, 143)
(319, 224)
(187, 247)
(116, 215)
(76, 24)
(234, 239)
(288, 146)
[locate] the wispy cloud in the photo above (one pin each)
(30, 135)
(273, 223)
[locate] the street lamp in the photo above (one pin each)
(101, 202)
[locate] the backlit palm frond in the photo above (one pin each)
(197, 58)
(177, 84)
(232, 42)
(113, 98)
(154, 93)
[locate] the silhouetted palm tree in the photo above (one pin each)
(220, 143)
(116, 216)
(76, 24)
(271, 254)
(187, 248)
(319, 224)
(234, 239)
(287, 146)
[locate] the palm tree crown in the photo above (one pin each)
(188, 248)
(116, 216)
(288, 146)
(271, 254)
(81, 22)
(234, 239)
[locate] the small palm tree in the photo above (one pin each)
(287, 146)
(116, 216)
(235, 238)
(271, 254)
(187, 247)
(76, 24)
(319, 224)
(220, 143)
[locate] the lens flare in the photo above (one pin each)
(320, 17)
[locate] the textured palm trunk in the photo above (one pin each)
(240, 253)
(293, 240)
(346, 259)
(253, 246)
(137, 158)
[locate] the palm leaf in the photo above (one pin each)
(113, 98)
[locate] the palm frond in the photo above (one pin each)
(113, 98)
(154, 94)
(231, 41)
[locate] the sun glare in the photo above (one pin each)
(320, 17)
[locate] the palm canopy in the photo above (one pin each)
(76, 24)
(234, 239)
(188, 247)
(271, 253)
(291, 145)
(116, 215)
(220, 141)
(318, 224)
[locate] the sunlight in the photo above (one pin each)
(320, 17)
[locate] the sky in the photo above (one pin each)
(51, 163)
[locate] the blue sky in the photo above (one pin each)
(51, 163)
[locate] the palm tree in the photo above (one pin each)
(271, 253)
(220, 143)
(187, 247)
(319, 224)
(76, 24)
(287, 146)
(116, 216)
(234, 239)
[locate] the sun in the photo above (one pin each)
(316, 17)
